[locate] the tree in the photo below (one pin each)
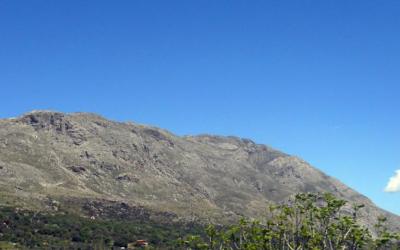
(310, 221)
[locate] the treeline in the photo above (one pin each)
(309, 222)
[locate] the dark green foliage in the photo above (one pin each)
(70, 231)
(309, 222)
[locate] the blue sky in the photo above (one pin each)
(317, 79)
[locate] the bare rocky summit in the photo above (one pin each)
(50, 159)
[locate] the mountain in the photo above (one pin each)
(95, 166)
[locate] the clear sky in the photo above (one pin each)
(317, 79)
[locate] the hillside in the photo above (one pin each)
(95, 166)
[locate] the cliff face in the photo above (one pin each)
(49, 155)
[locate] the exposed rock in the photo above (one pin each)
(128, 178)
(78, 169)
(47, 120)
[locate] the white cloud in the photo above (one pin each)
(394, 183)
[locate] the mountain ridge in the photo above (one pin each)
(207, 177)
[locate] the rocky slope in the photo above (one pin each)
(50, 158)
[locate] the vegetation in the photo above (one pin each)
(69, 231)
(310, 222)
